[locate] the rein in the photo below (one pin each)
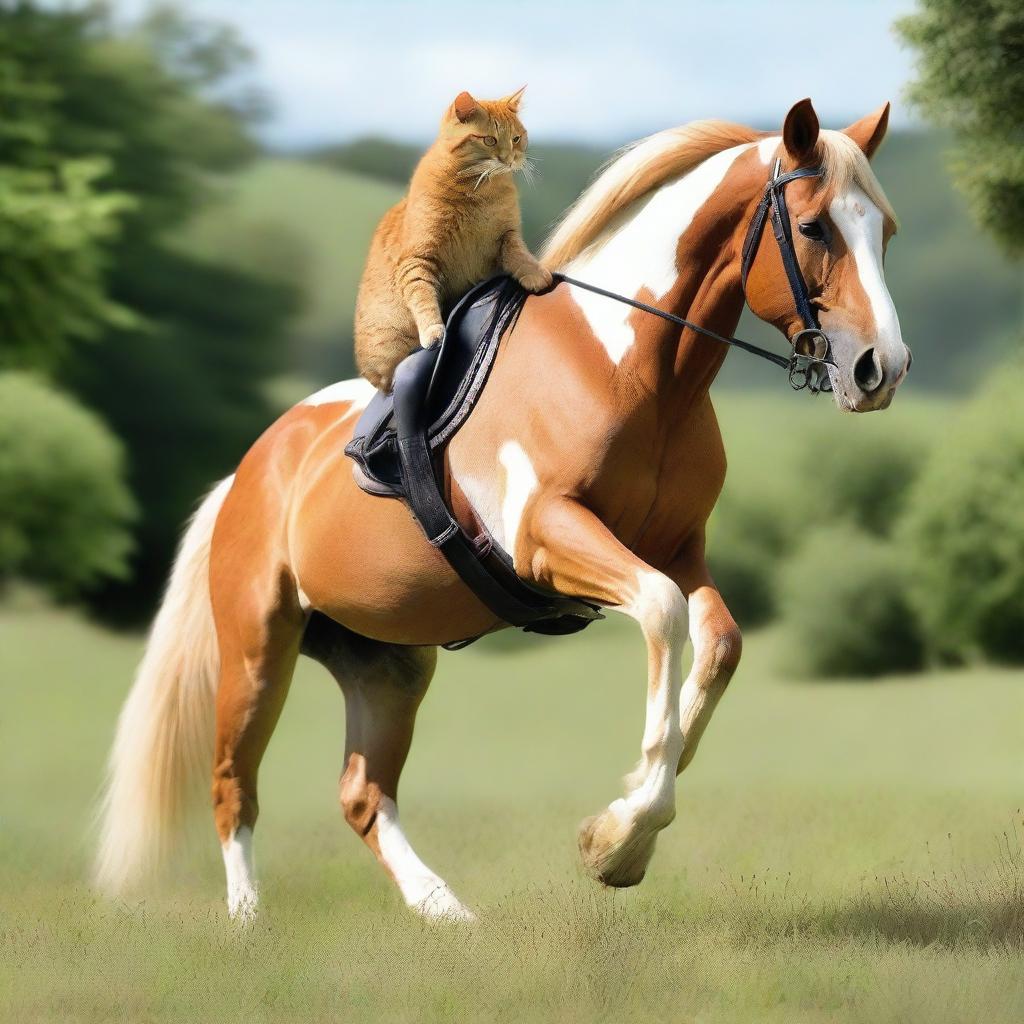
(807, 365)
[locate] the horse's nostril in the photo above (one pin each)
(867, 371)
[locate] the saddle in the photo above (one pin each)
(398, 448)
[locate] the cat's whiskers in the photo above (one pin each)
(529, 169)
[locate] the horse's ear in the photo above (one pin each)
(800, 132)
(869, 131)
(513, 101)
(464, 107)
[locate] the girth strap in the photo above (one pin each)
(485, 572)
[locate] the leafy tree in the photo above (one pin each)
(963, 531)
(845, 610)
(66, 509)
(971, 68)
(56, 226)
(182, 349)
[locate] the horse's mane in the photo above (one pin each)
(641, 167)
(634, 172)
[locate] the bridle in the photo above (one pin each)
(811, 349)
(808, 363)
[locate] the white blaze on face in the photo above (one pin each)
(641, 252)
(859, 221)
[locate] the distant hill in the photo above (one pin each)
(562, 170)
(310, 219)
(310, 225)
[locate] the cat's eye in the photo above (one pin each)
(516, 138)
(490, 140)
(814, 230)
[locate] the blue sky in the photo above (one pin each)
(596, 71)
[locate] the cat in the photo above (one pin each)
(458, 224)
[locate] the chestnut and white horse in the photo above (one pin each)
(593, 457)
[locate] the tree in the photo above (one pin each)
(962, 532)
(971, 80)
(66, 509)
(58, 221)
(181, 350)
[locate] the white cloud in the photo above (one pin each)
(601, 71)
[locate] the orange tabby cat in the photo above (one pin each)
(458, 224)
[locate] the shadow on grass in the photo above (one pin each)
(979, 907)
(925, 915)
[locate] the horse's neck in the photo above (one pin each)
(675, 251)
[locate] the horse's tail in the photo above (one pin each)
(164, 742)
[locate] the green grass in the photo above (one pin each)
(842, 852)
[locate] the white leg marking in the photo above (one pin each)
(641, 251)
(356, 391)
(520, 483)
(860, 223)
(617, 845)
(241, 874)
(660, 608)
(422, 890)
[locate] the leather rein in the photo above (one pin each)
(808, 364)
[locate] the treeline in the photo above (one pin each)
(142, 369)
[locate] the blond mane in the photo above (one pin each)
(640, 168)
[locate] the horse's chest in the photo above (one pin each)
(655, 495)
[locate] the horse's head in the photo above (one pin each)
(840, 223)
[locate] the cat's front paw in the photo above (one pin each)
(430, 336)
(536, 279)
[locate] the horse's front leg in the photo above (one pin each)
(569, 548)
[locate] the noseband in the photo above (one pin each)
(808, 363)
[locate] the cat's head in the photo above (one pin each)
(486, 136)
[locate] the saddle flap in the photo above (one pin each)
(458, 370)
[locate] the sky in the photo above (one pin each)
(598, 71)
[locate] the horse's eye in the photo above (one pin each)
(813, 229)
(490, 140)
(516, 138)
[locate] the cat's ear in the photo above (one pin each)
(513, 101)
(464, 107)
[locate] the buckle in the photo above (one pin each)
(808, 365)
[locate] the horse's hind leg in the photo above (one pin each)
(258, 654)
(383, 685)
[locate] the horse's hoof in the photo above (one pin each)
(442, 905)
(612, 854)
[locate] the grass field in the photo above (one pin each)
(842, 852)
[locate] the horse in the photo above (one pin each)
(593, 458)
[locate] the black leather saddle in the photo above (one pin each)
(398, 449)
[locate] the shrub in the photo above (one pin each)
(964, 530)
(844, 607)
(65, 507)
(861, 474)
(745, 543)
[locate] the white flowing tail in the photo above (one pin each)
(163, 748)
